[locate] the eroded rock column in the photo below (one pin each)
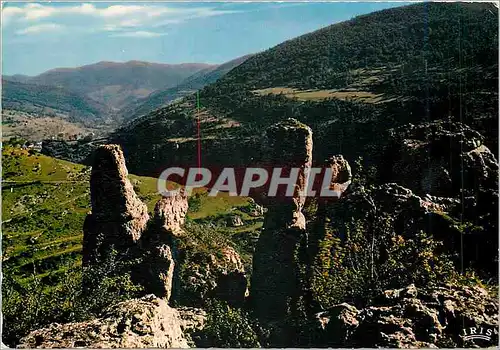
(118, 216)
(159, 245)
(279, 260)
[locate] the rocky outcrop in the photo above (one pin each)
(410, 214)
(278, 276)
(147, 322)
(448, 160)
(222, 276)
(341, 174)
(440, 158)
(118, 217)
(170, 213)
(340, 181)
(411, 317)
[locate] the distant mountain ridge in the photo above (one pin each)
(109, 90)
(190, 85)
(115, 83)
(92, 94)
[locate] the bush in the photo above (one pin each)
(30, 304)
(372, 257)
(228, 327)
(194, 202)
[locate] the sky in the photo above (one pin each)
(37, 37)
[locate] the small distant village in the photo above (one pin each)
(62, 136)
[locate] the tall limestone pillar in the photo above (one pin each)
(279, 276)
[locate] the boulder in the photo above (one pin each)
(147, 322)
(440, 158)
(170, 213)
(235, 221)
(222, 276)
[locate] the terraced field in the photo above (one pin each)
(318, 95)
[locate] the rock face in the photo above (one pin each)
(170, 213)
(159, 244)
(411, 317)
(449, 160)
(340, 181)
(441, 158)
(147, 322)
(278, 277)
(118, 216)
(222, 276)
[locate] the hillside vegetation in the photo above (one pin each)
(51, 100)
(35, 127)
(418, 62)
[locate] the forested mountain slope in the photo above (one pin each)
(351, 82)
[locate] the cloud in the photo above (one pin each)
(120, 10)
(36, 11)
(111, 16)
(139, 34)
(40, 28)
(148, 20)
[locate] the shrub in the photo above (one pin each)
(372, 257)
(194, 202)
(228, 327)
(30, 304)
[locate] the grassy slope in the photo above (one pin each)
(44, 204)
